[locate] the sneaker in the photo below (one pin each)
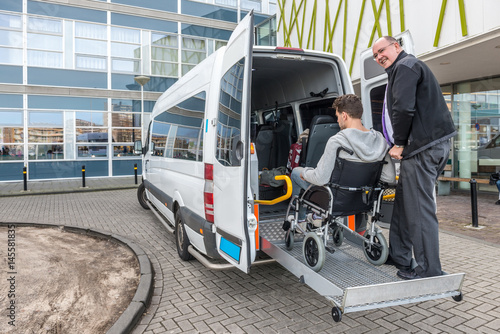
(314, 219)
(497, 202)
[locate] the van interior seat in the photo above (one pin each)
(263, 145)
(281, 144)
(321, 129)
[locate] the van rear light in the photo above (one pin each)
(208, 193)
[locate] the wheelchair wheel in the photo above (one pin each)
(313, 250)
(338, 235)
(377, 253)
(289, 239)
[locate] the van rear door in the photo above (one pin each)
(373, 82)
(233, 219)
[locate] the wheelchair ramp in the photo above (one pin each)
(350, 282)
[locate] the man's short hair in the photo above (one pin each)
(350, 104)
(390, 39)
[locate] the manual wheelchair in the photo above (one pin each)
(354, 189)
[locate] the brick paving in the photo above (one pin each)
(188, 298)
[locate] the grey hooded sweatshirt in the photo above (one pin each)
(368, 146)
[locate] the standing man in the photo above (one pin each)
(419, 125)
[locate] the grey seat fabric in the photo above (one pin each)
(263, 146)
(282, 142)
(321, 129)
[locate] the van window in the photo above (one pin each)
(311, 109)
(229, 116)
(178, 132)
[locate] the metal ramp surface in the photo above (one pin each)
(350, 282)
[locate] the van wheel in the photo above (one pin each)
(181, 239)
(141, 196)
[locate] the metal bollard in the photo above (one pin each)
(473, 201)
(25, 177)
(135, 173)
(83, 176)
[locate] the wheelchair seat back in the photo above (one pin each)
(354, 174)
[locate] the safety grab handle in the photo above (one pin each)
(288, 194)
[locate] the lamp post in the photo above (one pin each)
(142, 80)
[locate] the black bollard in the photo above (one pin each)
(83, 176)
(135, 173)
(25, 177)
(473, 201)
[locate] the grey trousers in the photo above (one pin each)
(414, 224)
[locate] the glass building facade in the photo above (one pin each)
(68, 94)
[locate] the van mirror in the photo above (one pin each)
(138, 147)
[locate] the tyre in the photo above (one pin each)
(379, 250)
(181, 239)
(338, 235)
(313, 251)
(141, 196)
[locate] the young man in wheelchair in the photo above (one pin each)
(366, 145)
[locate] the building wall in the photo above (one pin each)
(459, 40)
(68, 90)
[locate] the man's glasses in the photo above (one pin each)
(375, 55)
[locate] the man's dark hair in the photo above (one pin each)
(350, 104)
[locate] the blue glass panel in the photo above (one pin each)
(66, 169)
(11, 74)
(126, 167)
(194, 30)
(11, 101)
(67, 12)
(209, 11)
(12, 5)
(67, 78)
(257, 18)
(11, 171)
(142, 22)
(66, 102)
(166, 5)
(127, 82)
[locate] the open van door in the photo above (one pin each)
(374, 80)
(233, 218)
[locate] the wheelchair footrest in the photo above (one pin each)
(330, 249)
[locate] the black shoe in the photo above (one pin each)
(411, 274)
(497, 202)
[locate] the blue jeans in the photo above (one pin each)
(498, 185)
(297, 185)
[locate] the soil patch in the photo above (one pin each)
(62, 282)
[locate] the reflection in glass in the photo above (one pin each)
(85, 151)
(45, 135)
(91, 119)
(121, 65)
(45, 119)
(165, 69)
(125, 120)
(11, 38)
(164, 40)
(164, 54)
(88, 46)
(91, 63)
(126, 135)
(45, 152)
(11, 118)
(89, 30)
(11, 152)
(229, 120)
(125, 35)
(121, 151)
(125, 50)
(91, 135)
(11, 135)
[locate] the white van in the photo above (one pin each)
(235, 115)
(198, 169)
